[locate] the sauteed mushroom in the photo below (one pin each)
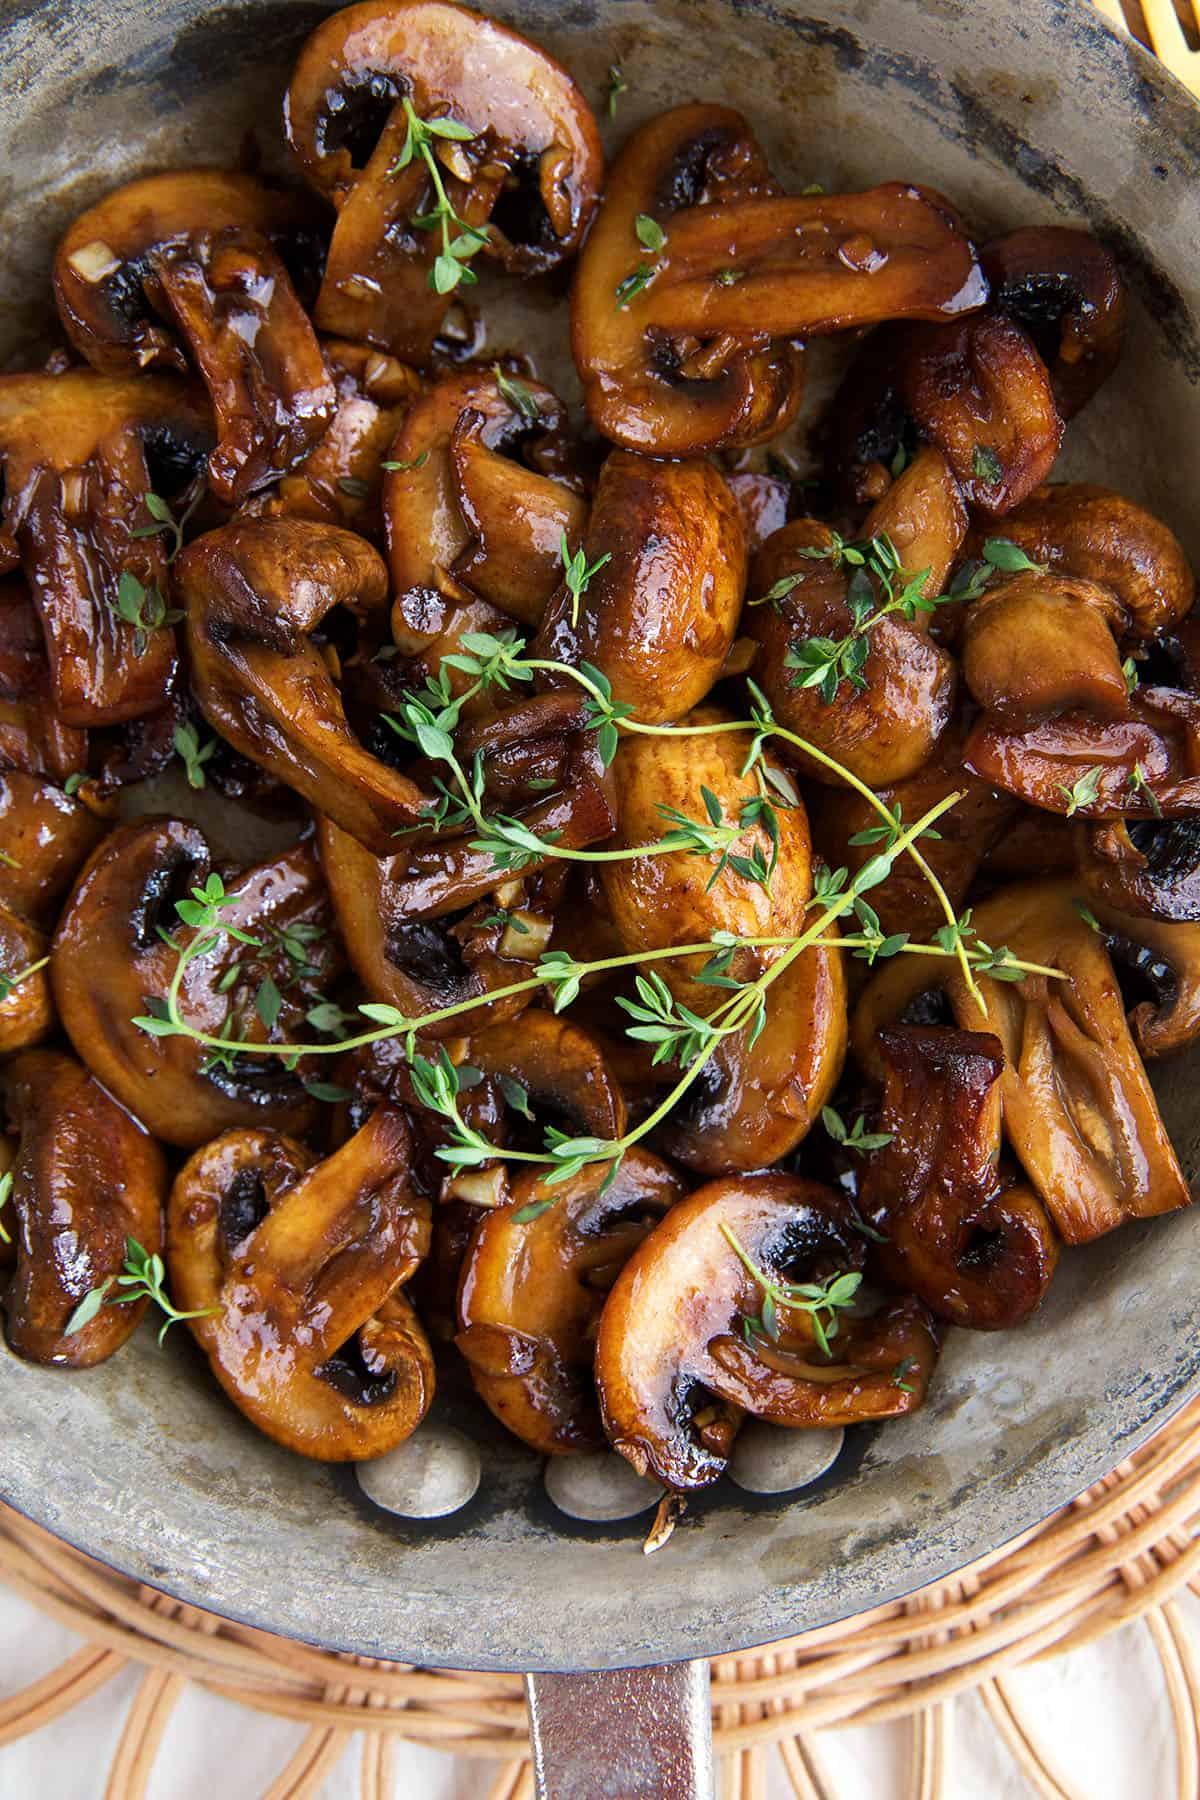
(45, 838)
(562, 1068)
(255, 592)
(977, 1249)
(646, 389)
(924, 517)
(301, 1261)
(86, 1178)
(661, 610)
(74, 449)
(1150, 867)
(195, 247)
(1066, 290)
(32, 736)
(109, 961)
(1163, 961)
(671, 1332)
(1035, 645)
(26, 1009)
(532, 1290)
(522, 171)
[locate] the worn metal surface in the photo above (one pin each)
(623, 1734)
(1023, 114)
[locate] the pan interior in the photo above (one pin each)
(1023, 115)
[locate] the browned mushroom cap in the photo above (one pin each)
(650, 390)
(195, 247)
(254, 593)
(86, 1179)
(45, 837)
(905, 901)
(26, 1007)
(1078, 1109)
(567, 1076)
(977, 1250)
(1065, 288)
(74, 450)
(924, 516)
(670, 1328)
(657, 901)
(109, 961)
(661, 611)
(532, 1289)
(764, 502)
(752, 1104)
(532, 166)
(1162, 961)
(883, 730)
(32, 736)
(1035, 645)
(1149, 867)
(1091, 533)
(470, 502)
(808, 264)
(301, 1260)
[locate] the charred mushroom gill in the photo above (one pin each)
(301, 1260)
(1159, 962)
(197, 247)
(977, 1249)
(469, 499)
(527, 175)
(645, 389)
(532, 1290)
(255, 592)
(86, 1178)
(660, 612)
(109, 960)
(74, 450)
(1150, 867)
(671, 1333)
(883, 725)
(1066, 290)
(1078, 1109)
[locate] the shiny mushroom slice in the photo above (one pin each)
(678, 1329)
(884, 721)
(45, 837)
(110, 964)
(563, 1073)
(647, 389)
(1035, 645)
(1066, 290)
(255, 592)
(924, 517)
(1160, 960)
(196, 255)
(1149, 867)
(660, 612)
(976, 1248)
(521, 168)
(26, 1006)
(295, 1265)
(74, 449)
(532, 1287)
(470, 498)
(33, 738)
(86, 1180)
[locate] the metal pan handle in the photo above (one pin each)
(640, 1734)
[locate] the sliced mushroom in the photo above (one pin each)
(764, 501)
(301, 1261)
(977, 1249)
(74, 449)
(1096, 535)
(671, 1333)
(1149, 867)
(532, 1290)
(32, 736)
(1036, 645)
(567, 1078)
(254, 593)
(26, 1007)
(195, 247)
(1066, 290)
(882, 730)
(45, 837)
(110, 963)
(660, 612)
(85, 1180)
(672, 898)
(1162, 961)
(647, 389)
(924, 516)
(752, 1104)
(1078, 1109)
(527, 177)
(469, 500)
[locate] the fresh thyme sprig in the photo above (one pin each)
(163, 519)
(142, 607)
(451, 266)
(9, 983)
(578, 572)
(142, 1277)
(820, 1301)
(192, 753)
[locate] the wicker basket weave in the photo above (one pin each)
(1122, 1551)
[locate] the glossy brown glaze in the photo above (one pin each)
(1065, 288)
(531, 1293)
(924, 516)
(45, 836)
(535, 148)
(1162, 959)
(1036, 645)
(659, 617)
(86, 1178)
(650, 390)
(301, 1261)
(109, 962)
(562, 1067)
